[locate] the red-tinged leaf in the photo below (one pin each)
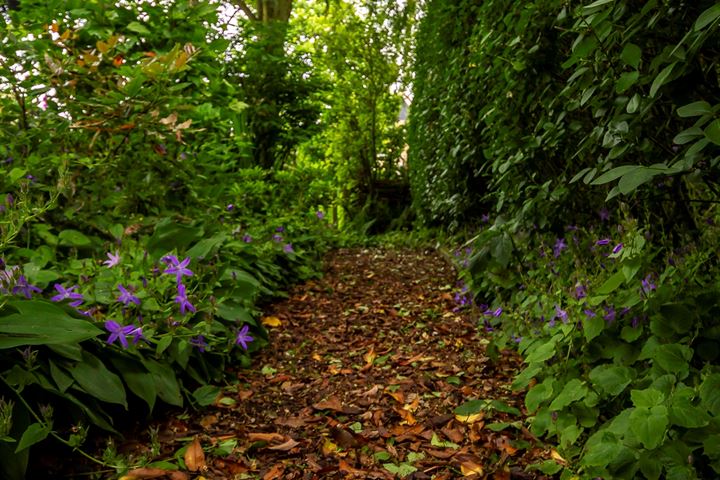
(266, 437)
(275, 472)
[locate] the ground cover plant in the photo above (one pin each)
(170, 171)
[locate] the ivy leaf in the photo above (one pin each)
(673, 358)
(612, 379)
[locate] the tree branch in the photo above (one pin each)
(246, 10)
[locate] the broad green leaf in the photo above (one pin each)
(169, 236)
(93, 377)
(631, 54)
(163, 344)
(592, 327)
(600, 453)
(573, 391)
(613, 174)
(707, 17)
(694, 109)
(471, 407)
(499, 406)
(673, 358)
(612, 283)
(206, 395)
(661, 79)
(647, 398)
(39, 322)
(34, 433)
(649, 425)
(632, 180)
(611, 379)
(541, 353)
(166, 382)
(538, 394)
(235, 313)
(633, 104)
(138, 27)
(596, 3)
(138, 379)
(206, 246)
(62, 379)
(712, 132)
(710, 394)
(688, 135)
(685, 414)
(73, 238)
(626, 80)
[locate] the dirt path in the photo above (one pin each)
(361, 379)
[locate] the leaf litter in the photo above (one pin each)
(362, 378)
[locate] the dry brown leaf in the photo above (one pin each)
(453, 434)
(195, 457)
(329, 448)
(397, 395)
(292, 422)
(265, 437)
(344, 467)
(333, 403)
(407, 417)
(208, 421)
(470, 465)
(275, 472)
(443, 454)
(149, 473)
(284, 447)
(503, 443)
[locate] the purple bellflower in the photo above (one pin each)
(22, 286)
(199, 342)
(243, 338)
(118, 332)
(179, 269)
(68, 294)
(288, 248)
(112, 259)
(182, 300)
(617, 248)
(126, 297)
(559, 246)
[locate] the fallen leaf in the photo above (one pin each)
(329, 447)
(469, 465)
(333, 403)
(149, 473)
(284, 447)
(208, 421)
(344, 467)
(265, 437)
(195, 457)
(275, 472)
(406, 416)
(398, 396)
(344, 438)
(475, 417)
(292, 422)
(556, 456)
(272, 322)
(370, 356)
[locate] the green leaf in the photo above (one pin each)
(402, 470)
(630, 181)
(593, 327)
(626, 80)
(41, 323)
(73, 238)
(707, 17)
(694, 109)
(34, 433)
(138, 27)
(206, 246)
(661, 79)
(166, 382)
(538, 394)
(471, 407)
(611, 379)
(94, 378)
(710, 394)
(138, 379)
(613, 174)
(631, 54)
(633, 104)
(206, 395)
(673, 358)
(685, 414)
(541, 353)
(549, 467)
(612, 283)
(599, 453)
(61, 378)
(595, 4)
(647, 398)
(235, 313)
(163, 344)
(436, 442)
(649, 425)
(712, 132)
(169, 236)
(580, 174)
(573, 391)
(688, 135)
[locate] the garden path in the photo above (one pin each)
(361, 379)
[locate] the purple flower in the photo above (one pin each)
(495, 313)
(182, 300)
(247, 238)
(230, 207)
(179, 269)
(516, 339)
(589, 313)
(617, 248)
(485, 217)
(199, 342)
(112, 259)
(277, 238)
(288, 248)
(243, 338)
(22, 286)
(118, 332)
(580, 292)
(126, 297)
(603, 241)
(561, 314)
(319, 214)
(280, 229)
(604, 214)
(68, 294)
(609, 315)
(9, 200)
(559, 246)
(647, 285)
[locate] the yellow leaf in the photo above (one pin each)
(471, 469)
(556, 456)
(476, 417)
(271, 321)
(103, 47)
(370, 356)
(329, 448)
(316, 356)
(195, 457)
